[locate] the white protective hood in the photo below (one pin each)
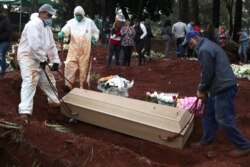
(79, 10)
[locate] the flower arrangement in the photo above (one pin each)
(153, 55)
(114, 85)
(190, 104)
(162, 98)
(187, 103)
(241, 71)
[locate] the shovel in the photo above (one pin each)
(65, 105)
(90, 66)
(62, 56)
(63, 64)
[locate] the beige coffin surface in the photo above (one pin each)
(145, 120)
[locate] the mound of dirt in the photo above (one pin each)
(36, 144)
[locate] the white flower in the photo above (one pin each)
(164, 97)
(241, 71)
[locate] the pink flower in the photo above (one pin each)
(187, 103)
(148, 94)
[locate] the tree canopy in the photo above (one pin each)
(143, 9)
(234, 14)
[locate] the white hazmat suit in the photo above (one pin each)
(79, 47)
(36, 45)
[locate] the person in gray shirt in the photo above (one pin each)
(179, 31)
(217, 89)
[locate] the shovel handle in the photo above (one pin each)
(62, 57)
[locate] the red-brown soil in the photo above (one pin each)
(88, 145)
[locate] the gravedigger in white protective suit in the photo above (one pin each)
(37, 47)
(82, 32)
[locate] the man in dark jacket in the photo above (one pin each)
(148, 37)
(217, 88)
(5, 32)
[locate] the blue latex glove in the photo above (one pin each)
(93, 41)
(60, 35)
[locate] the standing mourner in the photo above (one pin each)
(82, 32)
(127, 33)
(196, 26)
(140, 34)
(209, 32)
(106, 29)
(179, 31)
(222, 37)
(98, 22)
(5, 33)
(114, 46)
(120, 17)
(217, 88)
(148, 37)
(189, 27)
(33, 52)
(167, 36)
(243, 41)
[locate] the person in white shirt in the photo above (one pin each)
(179, 31)
(140, 34)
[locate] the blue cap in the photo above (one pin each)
(190, 35)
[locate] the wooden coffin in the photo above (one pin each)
(145, 120)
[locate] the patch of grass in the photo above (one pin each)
(36, 164)
(13, 132)
(94, 76)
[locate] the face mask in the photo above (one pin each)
(47, 22)
(79, 18)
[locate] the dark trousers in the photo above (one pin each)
(179, 48)
(127, 52)
(189, 52)
(114, 49)
(219, 112)
(4, 46)
(139, 50)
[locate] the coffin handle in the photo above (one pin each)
(171, 138)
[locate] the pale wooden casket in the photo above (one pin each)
(145, 120)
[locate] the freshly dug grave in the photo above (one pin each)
(86, 145)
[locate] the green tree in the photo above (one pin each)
(229, 5)
(34, 5)
(237, 19)
(142, 9)
(184, 10)
(246, 14)
(194, 12)
(216, 13)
